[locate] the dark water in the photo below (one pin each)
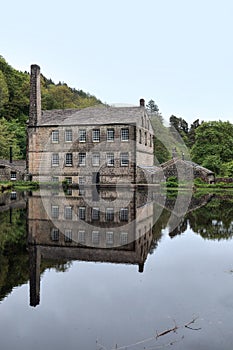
(57, 293)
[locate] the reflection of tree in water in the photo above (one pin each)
(14, 259)
(159, 225)
(13, 253)
(212, 221)
(215, 220)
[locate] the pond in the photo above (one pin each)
(115, 269)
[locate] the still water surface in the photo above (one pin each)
(92, 302)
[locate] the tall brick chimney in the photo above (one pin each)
(35, 96)
(142, 102)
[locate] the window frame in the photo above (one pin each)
(55, 211)
(96, 135)
(110, 159)
(109, 241)
(53, 138)
(95, 156)
(68, 132)
(95, 214)
(124, 133)
(55, 159)
(124, 214)
(82, 156)
(54, 234)
(109, 132)
(124, 238)
(95, 237)
(13, 175)
(82, 135)
(69, 162)
(124, 159)
(68, 235)
(81, 236)
(82, 211)
(109, 214)
(68, 212)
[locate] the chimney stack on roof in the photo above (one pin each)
(35, 96)
(142, 102)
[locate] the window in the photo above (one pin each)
(140, 136)
(123, 238)
(109, 238)
(68, 159)
(55, 159)
(68, 213)
(95, 159)
(125, 159)
(95, 213)
(110, 134)
(124, 214)
(82, 213)
(55, 179)
(95, 237)
(82, 135)
(55, 136)
(142, 122)
(81, 180)
(81, 236)
(110, 159)
(55, 211)
(96, 135)
(82, 159)
(68, 180)
(145, 138)
(109, 214)
(82, 192)
(68, 192)
(68, 135)
(13, 175)
(68, 235)
(54, 234)
(150, 140)
(125, 134)
(13, 195)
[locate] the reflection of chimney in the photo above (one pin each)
(140, 267)
(34, 261)
(35, 96)
(142, 102)
(11, 154)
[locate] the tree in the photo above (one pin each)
(192, 132)
(213, 145)
(4, 93)
(8, 138)
(152, 107)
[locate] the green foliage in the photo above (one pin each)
(199, 181)
(165, 140)
(213, 145)
(14, 105)
(8, 137)
(172, 181)
(227, 169)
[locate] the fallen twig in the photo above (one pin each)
(158, 335)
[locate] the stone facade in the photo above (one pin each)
(94, 145)
(12, 171)
(106, 226)
(186, 170)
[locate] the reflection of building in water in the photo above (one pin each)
(109, 226)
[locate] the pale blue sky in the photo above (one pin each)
(176, 52)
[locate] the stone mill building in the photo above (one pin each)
(102, 144)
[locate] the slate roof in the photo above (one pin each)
(99, 115)
(188, 162)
